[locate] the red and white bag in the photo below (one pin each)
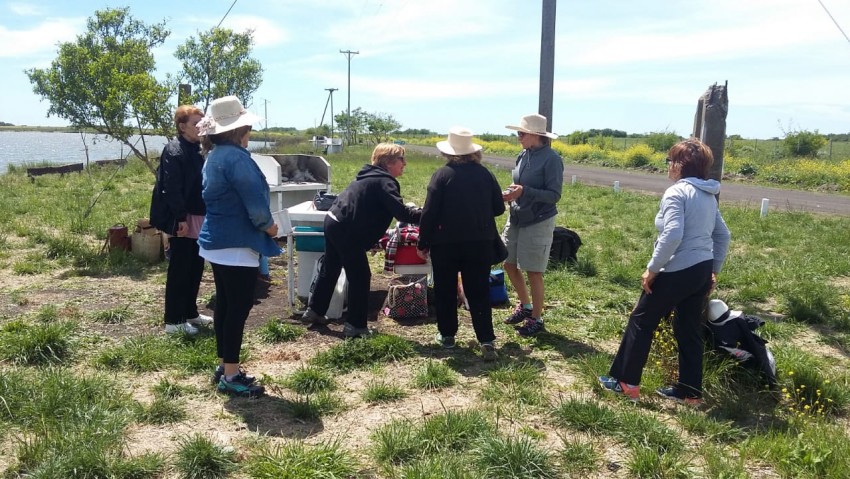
(407, 298)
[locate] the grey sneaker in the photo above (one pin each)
(488, 352)
(312, 317)
(447, 342)
(182, 328)
(201, 320)
(350, 331)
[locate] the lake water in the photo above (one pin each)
(17, 147)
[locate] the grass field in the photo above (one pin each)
(91, 388)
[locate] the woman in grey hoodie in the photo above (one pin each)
(692, 243)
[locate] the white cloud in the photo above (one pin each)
(40, 39)
(25, 9)
(266, 32)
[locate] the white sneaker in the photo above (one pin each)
(201, 320)
(182, 328)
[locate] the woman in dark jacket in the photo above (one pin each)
(458, 228)
(177, 209)
(354, 224)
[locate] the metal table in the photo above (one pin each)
(302, 214)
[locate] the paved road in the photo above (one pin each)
(780, 199)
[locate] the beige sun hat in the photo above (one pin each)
(718, 312)
(225, 114)
(534, 124)
(459, 142)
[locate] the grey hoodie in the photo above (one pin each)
(690, 228)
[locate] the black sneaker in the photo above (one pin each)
(240, 386)
(519, 315)
(670, 392)
(531, 327)
(219, 373)
(447, 342)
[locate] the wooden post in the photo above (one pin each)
(710, 124)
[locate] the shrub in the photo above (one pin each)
(638, 155)
(662, 141)
(803, 143)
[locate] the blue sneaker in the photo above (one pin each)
(240, 386)
(219, 373)
(619, 387)
(670, 392)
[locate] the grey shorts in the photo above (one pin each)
(528, 246)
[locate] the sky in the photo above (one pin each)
(637, 66)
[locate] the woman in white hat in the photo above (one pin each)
(237, 229)
(458, 228)
(536, 189)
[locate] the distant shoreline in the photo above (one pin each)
(48, 129)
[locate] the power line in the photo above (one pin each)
(833, 21)
(228, 11)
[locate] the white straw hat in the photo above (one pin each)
(534, 124)
(718, 312)
(225, 114)
(459, 142)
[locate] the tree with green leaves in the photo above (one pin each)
(218, 63)
(357, 123)
(803, 143)
(380, 126)
(104, 80)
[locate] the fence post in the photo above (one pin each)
(710, 125)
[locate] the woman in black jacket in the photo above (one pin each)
(178, 210)
(354, 224)
(458, 228)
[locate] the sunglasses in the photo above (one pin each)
(668, 160)
(521, 134)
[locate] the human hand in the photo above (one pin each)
(646, 280)
(272, 230)
(182, 229)
(512, 192)
(713, 282)
(423, 254)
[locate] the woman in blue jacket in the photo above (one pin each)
(238, 228)
(690, 250)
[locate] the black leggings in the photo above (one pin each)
(686, 291)
(234, 298)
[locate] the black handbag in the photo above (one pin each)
(500, 251)
(323, 200)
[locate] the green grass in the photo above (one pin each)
(67, 368)
(198, 457)
(382, 392)
(434, 375)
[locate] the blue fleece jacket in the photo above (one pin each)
(690, 228)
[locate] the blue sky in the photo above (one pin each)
(632, 66)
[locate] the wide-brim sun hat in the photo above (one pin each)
(718, 312)
(534, 124)
(459, 142)
(225, 114)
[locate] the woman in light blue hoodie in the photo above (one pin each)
(692, 243)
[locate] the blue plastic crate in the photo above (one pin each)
(314, 244)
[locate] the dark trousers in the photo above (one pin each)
(686, 291)
(472, 260)
(341, 252)
(234, 298)
(185, 269)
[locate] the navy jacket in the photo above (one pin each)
(177, 192)
(368, 205)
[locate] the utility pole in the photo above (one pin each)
(348, 54)
(331, 101)
(266, 133)
(547, 62)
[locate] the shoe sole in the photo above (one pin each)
(259, 391)
(693, 402)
